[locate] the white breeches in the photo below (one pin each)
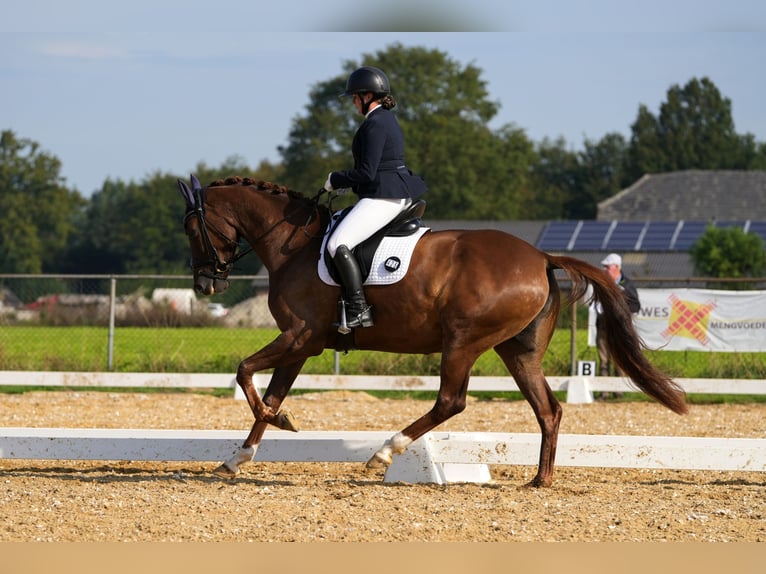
(366, 217)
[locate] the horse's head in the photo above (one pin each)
(213, 242)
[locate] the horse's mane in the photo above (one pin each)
(258, 183)
(324, 211)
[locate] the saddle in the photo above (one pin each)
(406, 223)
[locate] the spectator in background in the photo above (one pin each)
(612, 263)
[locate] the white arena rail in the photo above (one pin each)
(438, 457)
(579, 389)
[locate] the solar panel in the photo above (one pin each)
(621, 236)
(591, 235)
(689, 233)
(657, 236)
(625, 235)
(758, 227)
(725, 224)
(556, 235)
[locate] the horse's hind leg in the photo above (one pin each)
(525, 364)
(455, 371)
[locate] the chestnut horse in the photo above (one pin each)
(464, 293)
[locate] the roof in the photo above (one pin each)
(698, 195)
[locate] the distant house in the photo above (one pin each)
(692, 195)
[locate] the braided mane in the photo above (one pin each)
(258, 183)
(323, 211)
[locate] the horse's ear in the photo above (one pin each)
(186, 193)
(195, 183)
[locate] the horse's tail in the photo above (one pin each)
(624, 342)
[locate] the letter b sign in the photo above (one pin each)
(586, 368)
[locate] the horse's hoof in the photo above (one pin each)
(287, 421)
(224, 471)
(537, 483)
(379, 460)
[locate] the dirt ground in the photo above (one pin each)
(95, 501)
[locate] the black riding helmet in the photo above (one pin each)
(368, 79)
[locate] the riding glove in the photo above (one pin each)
(328, 183)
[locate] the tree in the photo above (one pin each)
(555, 178)
(132, 228)
(729, 253)
(39, 212)
(599, 176)
(443, 109)
(694, 130)
(137, 227)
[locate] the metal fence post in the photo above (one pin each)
(112, 305)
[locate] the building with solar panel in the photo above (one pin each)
(652, 223)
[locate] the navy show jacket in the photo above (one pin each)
(379, 168)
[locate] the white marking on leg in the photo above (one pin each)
(242, 455)
(395, 445)
(399, 442)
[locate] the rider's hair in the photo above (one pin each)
(388, 101)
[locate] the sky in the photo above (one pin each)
(122, 90)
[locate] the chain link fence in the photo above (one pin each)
(156, 323)
(84, 322)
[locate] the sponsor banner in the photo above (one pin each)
(698, 320)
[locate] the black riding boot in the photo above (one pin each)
(358, 312)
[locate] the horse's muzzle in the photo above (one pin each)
(210, 285)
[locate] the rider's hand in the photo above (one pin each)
(328, 183)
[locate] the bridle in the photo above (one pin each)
(221, 267)
(195, 202)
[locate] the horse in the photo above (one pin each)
(465, 292)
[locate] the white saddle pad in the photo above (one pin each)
(390, 263)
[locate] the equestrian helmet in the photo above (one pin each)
(367, 79)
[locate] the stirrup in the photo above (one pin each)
(361, 319)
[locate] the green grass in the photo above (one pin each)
(219, 350)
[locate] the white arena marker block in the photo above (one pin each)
(417, 464)
(414, 465)
(578, 390)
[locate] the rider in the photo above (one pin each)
(380, 178)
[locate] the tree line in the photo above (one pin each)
(473, 172)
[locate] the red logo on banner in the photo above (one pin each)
(689, 319)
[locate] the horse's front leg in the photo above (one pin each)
(279, 386)
(286, 354)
